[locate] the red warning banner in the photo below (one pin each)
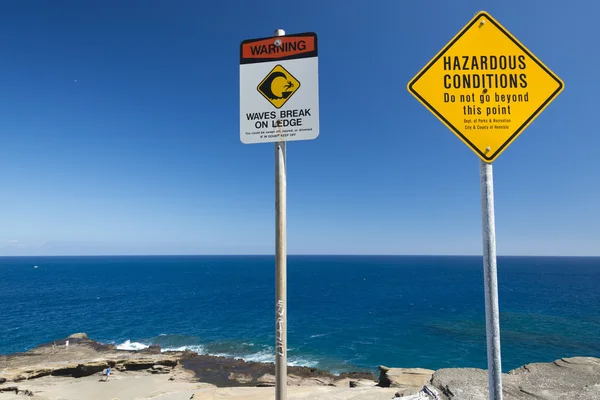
(300, 45)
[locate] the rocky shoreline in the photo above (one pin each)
(84, 357)
(35, 373)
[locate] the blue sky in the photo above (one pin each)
(120, 132)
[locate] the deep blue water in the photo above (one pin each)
(345, 312)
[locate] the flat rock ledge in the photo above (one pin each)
(576, 378)
(78, 356)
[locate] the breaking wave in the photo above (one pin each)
(129, 345)
(246, 351)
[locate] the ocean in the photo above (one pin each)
(345, 313)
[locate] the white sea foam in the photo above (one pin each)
(264, 356)
(260, 356)
(129, 345)
(302, 362)
(268, 356)
(197, 348)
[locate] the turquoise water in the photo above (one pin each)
(345, 312)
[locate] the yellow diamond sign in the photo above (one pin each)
(485, 86)
(278, 86)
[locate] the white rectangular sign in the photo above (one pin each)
(279, 90)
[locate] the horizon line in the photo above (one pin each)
(296, 255)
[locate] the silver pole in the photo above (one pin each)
(280, 269)
(490, 275)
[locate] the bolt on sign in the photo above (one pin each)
(279, 92)
(485, 86)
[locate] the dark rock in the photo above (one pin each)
(187, 354)
(358, 375)
(81, 370)
(138, 366)
(153, 349)
(160, 369)
(217, 371)
(2, 380)
(10, 389)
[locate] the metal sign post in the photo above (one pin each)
(490, 276)
(280, 268)
(279, 102)
(486, 87)
(280, 273)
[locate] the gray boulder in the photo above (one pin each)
(576, 378)
(79, 336)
